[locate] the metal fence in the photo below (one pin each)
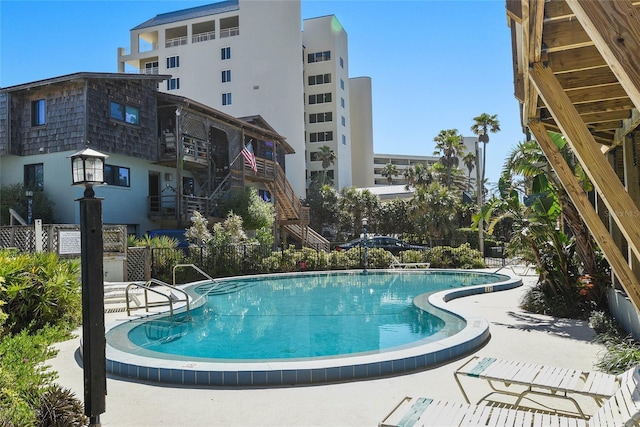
(255, 259)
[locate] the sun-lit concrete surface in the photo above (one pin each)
(514, 335)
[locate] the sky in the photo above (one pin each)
(434, 64)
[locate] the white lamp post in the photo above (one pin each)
(29, 195)
(87, 170)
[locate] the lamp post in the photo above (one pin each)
(366, 243)
(87, 170)
(29, 194)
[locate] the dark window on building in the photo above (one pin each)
(319, 56)
(226, 99)
(173, 62)
(34, 176)
(226, 76)
(173, 84)
(125, 113)
(117, 175)
(38, 112)
(225, 53)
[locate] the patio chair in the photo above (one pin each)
(397, 264)
(621, 409)
(522, 379)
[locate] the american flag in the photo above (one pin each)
(247, 153)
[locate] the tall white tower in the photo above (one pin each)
(326, 97)
(241, 57)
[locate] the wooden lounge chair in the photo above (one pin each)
(621, 409)
(522, 379)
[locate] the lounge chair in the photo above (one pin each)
(621, 409)
(397, 264)
(522, 379)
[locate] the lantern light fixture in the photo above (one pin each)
(87, 168)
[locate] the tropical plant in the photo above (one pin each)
(450, 147)
(328, 157)
(418, 175)
(389, 171)
(39, 289)
(469, 161)
(482, 125)
(433, 210)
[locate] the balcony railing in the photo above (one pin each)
(178, 41)
(147, 47)
(203, 37)
(229, 32)
(152, 70)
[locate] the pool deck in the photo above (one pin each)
(515, 335)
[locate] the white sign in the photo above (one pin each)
(68, 242)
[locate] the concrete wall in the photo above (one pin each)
(624, 312)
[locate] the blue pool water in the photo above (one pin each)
(307, 316)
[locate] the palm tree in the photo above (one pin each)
(469, 161)
(418, 175)
(483, 124)
(449, 144)
(390, 171)
(328, 157)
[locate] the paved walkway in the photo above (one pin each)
(514, 335)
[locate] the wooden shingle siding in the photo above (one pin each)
(4, 122)
(117, 137)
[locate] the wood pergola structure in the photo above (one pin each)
(576, 67)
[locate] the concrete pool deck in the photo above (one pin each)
(515, 335)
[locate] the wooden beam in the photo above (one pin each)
(614, 27)
(588, 213)
(620, 205)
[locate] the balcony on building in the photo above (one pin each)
(203, 31)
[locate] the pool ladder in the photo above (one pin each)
(166, 298)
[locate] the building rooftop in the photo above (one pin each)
(194, 12)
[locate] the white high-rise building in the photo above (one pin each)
(326, 97)
(239, 57)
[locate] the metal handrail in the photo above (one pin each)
(147, 287)
(195, 267)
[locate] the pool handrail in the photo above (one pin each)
(195, 267)
(147, 287)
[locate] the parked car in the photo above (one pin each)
(390, 244)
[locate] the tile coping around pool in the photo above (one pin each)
(303, 372)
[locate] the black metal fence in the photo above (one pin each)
(255, 259)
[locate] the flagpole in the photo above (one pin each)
(240, 153)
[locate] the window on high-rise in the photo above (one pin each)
(344, 139)
(341, 62)
(173, 84)
(321, 117)
(37, 113)
(173, 62)
(319, 57)
(343, 120)
(226, 76)
(320, 98)
(341, 84)
(225, 53)
(319, 79)
(226, 98)
(342, 102)
(320, 136)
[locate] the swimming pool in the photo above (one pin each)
(305, 328)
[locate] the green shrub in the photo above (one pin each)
(23, 376)
(39, 289)
(460, 257)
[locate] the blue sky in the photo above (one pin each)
(434, 64)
